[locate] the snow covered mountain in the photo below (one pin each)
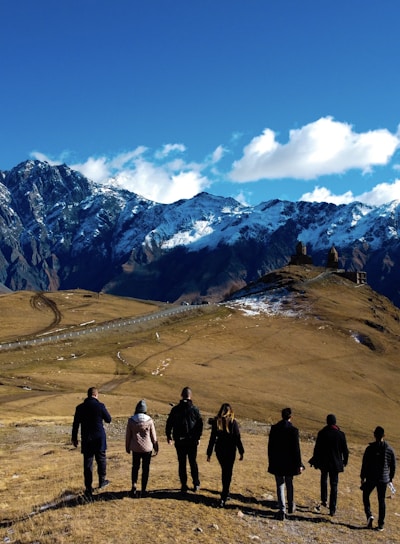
(58, 230)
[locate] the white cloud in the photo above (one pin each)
(161, 182)
(167, 149)
(378, 195)
(218, 154)
(320, 148)
(322, 194)
(42, 157)
(95, 169)
(241, 197)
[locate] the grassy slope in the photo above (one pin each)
(259, 364)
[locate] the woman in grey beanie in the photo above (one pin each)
(140, 439)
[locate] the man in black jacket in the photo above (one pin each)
(377, 470)
(185, 426)
(330, 456)
(90, 416)
(284, 460)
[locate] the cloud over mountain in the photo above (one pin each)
(325, 147)
(320, 148)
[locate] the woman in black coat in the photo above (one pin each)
(225, 437)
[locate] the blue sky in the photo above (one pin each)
(254, 99)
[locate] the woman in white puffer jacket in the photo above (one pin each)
(141, 440)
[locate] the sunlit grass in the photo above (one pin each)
(259, 364)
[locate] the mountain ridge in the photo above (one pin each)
(59, 230)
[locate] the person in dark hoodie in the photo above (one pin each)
(284, 458)
(141, 440)
(330, 455)
(185, 426)
(377, 470)
(225, 436)
(89, 415)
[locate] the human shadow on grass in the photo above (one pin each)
(67, 499)
(248, 505)
(304, 513)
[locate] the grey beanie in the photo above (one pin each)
(141, 407)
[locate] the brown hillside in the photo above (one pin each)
(322, 345)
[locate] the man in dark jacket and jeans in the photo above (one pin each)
(284, 460)
(185, 426)
(90, 416)
(377, 470)
(330, 456)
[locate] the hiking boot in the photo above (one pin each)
(103, 483)
(380, 528)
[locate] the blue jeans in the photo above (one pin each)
(281, 482)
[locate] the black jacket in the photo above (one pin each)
(225, 442)
(184, 422)
(90, 416)
(330, 452)
(284, 450)
(379, 463)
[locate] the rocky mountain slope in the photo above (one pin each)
(58, 230)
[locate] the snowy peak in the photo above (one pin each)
(59, 231)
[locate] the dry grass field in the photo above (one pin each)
(331, 346)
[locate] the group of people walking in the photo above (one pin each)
(330, 456)
(184, 428)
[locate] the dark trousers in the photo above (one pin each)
(369, 486)
(226, 462)
(187, 450)
(144, 458)
(333, 482)
(100, 457)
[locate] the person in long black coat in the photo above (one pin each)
(330, 455)
(284, 458)
(89, 415)
(225, 437)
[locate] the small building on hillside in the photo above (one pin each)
(333, 258)
(301, 256)
(332, 262)
(358, 276)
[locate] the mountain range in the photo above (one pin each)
(59, 230)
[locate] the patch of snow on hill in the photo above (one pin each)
(277, 303)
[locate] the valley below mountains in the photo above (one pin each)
(59, 230)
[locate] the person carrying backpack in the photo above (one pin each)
(184, 427)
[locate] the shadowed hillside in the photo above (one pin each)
(299, 337)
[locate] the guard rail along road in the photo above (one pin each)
(118, 323)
